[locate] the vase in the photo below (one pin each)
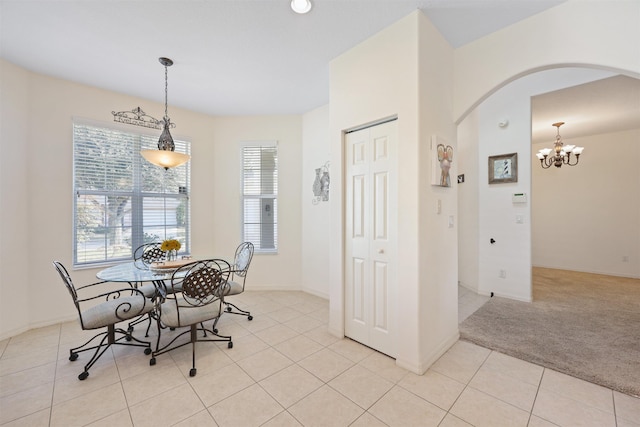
(172, 255)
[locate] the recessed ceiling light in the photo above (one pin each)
(301, 6)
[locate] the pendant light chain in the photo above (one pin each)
(166, 92)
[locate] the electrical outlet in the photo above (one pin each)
(503, 274)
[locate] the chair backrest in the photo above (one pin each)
(244, 254)
(199, 283)
(149, 252)
(66, 279)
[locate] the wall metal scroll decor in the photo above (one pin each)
(138, 117)
(321, 184)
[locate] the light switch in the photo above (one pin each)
(439, 207)
(519, 219)
(450, 221)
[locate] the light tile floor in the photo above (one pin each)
(286, 370)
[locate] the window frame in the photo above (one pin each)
(137, 193)
(243, 197)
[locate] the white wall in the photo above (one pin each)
(438, 240)
(468, 202)
(405, 70)
(587, 217)
(490, 213)
(15, 266)
(597, 34)
(37, 114)
(316, 216)
(497, 213)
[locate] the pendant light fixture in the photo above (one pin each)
(560, 154)
(165, 156)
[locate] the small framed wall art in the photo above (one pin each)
(503, 168)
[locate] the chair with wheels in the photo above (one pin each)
(100, 306)
(146, 254)
(238, 277)
(193, 297)
(149, 252)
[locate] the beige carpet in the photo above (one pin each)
(585, 325)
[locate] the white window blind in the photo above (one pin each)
(121, 200)
(260, 195)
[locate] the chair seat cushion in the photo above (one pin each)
(234, 288)
(116, 310)
(189, 315)
(149, 290)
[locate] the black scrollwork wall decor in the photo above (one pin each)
(138, 117)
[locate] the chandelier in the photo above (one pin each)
(561, 153)
(165, 156)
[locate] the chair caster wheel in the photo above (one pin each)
(73, 357)
(250, 318)
(152, 361)
(215, 331)
(192, 372)
(147, 351)
(83, 376)
(228, 309)
(128, 338)
(172, 329)
(130, 329)
(230, 345)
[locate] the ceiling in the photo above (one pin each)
(240, 57)
(231, 57)
(601, 106)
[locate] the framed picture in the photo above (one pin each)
(503, 168)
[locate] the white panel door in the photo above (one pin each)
(370, 235)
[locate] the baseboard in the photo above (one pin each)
(467, 287)
(505, 295)
(17, 331)
(603, 273)
(322, 295)
(429, 359)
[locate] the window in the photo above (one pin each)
(260, 195)
(121, 200)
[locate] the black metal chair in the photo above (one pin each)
(104, 309)
(238, 277)
(192, 298)
(147, 254)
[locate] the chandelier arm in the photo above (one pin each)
(576, 162)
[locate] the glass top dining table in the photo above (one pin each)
(134, 271)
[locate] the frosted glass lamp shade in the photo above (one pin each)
(165, 158)
(578, 150)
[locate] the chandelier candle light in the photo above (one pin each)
(561, 153)
(165, 156)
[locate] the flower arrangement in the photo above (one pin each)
(170, 245)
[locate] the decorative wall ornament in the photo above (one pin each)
(442, 157)
(321, 184)
(138, 117)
